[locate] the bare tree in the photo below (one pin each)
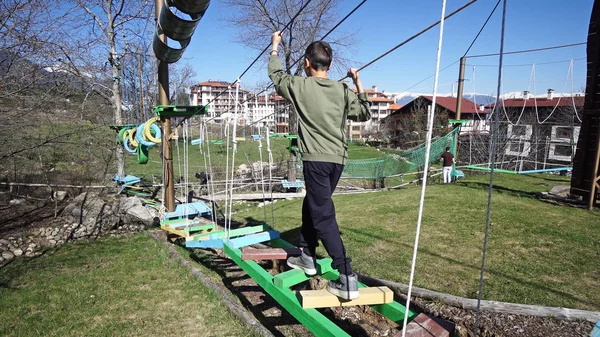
(257, 19)
(106, 31)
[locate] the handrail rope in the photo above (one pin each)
(298, 60)
(426, 167)
(531, 50)
(482, 27)
(492, 161)
(415, 36)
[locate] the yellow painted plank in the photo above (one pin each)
(174, 231)
(324, 299)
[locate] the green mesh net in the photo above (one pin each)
(403, 162)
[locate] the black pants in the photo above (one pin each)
(318, 213)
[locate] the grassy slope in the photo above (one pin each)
(114, 287)
(538, 253)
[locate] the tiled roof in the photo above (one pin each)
(449, 103)
(543, 102)
(381, 99)
(395, 106)
(220, 84)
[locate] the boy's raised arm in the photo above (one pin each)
(360, 104)
(280, 78)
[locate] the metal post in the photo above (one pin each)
(163, 99)
(461, 84)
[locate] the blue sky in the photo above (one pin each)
(382, 24)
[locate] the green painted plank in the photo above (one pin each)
(394, 311)
(295, 276)
(312, 319)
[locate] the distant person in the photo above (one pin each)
(448, 159)
(323, 106)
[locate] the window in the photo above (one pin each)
(356, 128)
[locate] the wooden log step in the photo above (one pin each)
(428, 326)
(324, 299)
(269, 253)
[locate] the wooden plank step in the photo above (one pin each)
(196, 228)
(324, 299)
(222, 234)
(269, 253)
(251, 239)
(173, 230)
(180, 222)
(238, 242)
(428, 326)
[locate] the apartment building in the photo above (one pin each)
(221, 96)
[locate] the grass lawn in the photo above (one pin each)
(538, 253)
(114, 287)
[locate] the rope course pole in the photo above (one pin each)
(163, 99)
(427, 154)
(492, 160)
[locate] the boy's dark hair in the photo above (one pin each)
(447, 148)
(319, 54)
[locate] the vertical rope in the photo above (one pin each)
(262, 175)
(492, 160)
(427, 154)
(234, 150)
(268, 138)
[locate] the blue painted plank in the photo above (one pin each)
(251, 239)
(191, 209)
(204, 244)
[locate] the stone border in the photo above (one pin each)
(226, 298)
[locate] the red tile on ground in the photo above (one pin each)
(425, 325)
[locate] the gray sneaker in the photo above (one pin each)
(303, 262)
(346, 287)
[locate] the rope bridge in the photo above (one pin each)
(403, 162)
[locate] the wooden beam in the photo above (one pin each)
(324, 299)
(269, 253)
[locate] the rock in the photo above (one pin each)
(16, 202)
(135, 212)
(60, 195)
(52, 242)
(8, 256)
(4, 242)
(18, 252)
(561, 190)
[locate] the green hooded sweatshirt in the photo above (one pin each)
(323, 106)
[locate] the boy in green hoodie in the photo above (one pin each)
(323, 106)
